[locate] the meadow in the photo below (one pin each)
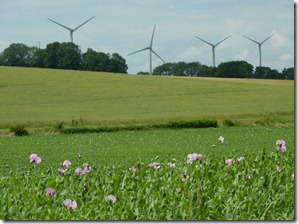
(145, 174)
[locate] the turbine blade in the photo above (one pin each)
(152, 37)
(139, 51)
(221, 41)
(251, 40)
(157, 55)
(61, 25)
(267, 38)
(205, 41)
(82, 24)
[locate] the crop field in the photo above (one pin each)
(154, 174)
(137, 169)
(43, 97)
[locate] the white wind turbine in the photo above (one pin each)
(70, 29)
(150, 52)
(213, 47)
(260, 44)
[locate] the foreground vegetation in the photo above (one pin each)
(151, 168)
(137, 169)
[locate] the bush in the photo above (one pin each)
(171, 124)
(19, 130)
(228, 123)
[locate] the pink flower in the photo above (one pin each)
(61, 171)
(133, 169)
(34, 159)
(87, 168)
(51, 192)
(229, 162)
(111, 198)
(281, 145)
(241, 159)
(221, 139)
(193, 157)
(66, 163)
(154, 165)
(79, 171)
(171, 165)
(184, 179)
(70, 204)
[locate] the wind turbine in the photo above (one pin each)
(213, 47)
(150, 51)
(260, 44)
(70, 29)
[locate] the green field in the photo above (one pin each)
(43, 97)
(263, 111)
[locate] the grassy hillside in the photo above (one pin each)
(38, 97)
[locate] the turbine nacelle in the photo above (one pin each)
(70, 29)
(150, 51)
(213, 46)
(260, 45)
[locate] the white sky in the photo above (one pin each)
(125, 26)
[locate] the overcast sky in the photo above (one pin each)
(125, 26)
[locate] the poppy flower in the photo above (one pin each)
(221, 139)
(133, 169)
(229, 162)
(248, 177)
(193, 157)
(61, 171)
(51, 192)
(34, 158)
(66, 163)
(240, 159)
(79, 171)
(281, 145)
(171, 165)
(70, 204)
(185, 178)
(111, 198)
(87, 168)
(154, 165)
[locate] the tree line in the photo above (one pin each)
(230, 69)
(62, 56)
(69, 56)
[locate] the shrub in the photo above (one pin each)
(228, 123)
(19, 130)
(59, 126)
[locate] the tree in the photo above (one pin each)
(39, 58)
(95, 61)
(117, 64)
(288, 73)
(234, 69)
(69, 56)
(262, 72)
(164, 69)
(17, 54)
(51, 60)
(206, 71)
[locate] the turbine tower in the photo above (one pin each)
(260, 44)
(150, 52)
(213, 47)
(70, 29)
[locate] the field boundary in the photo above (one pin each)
(206, 123)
